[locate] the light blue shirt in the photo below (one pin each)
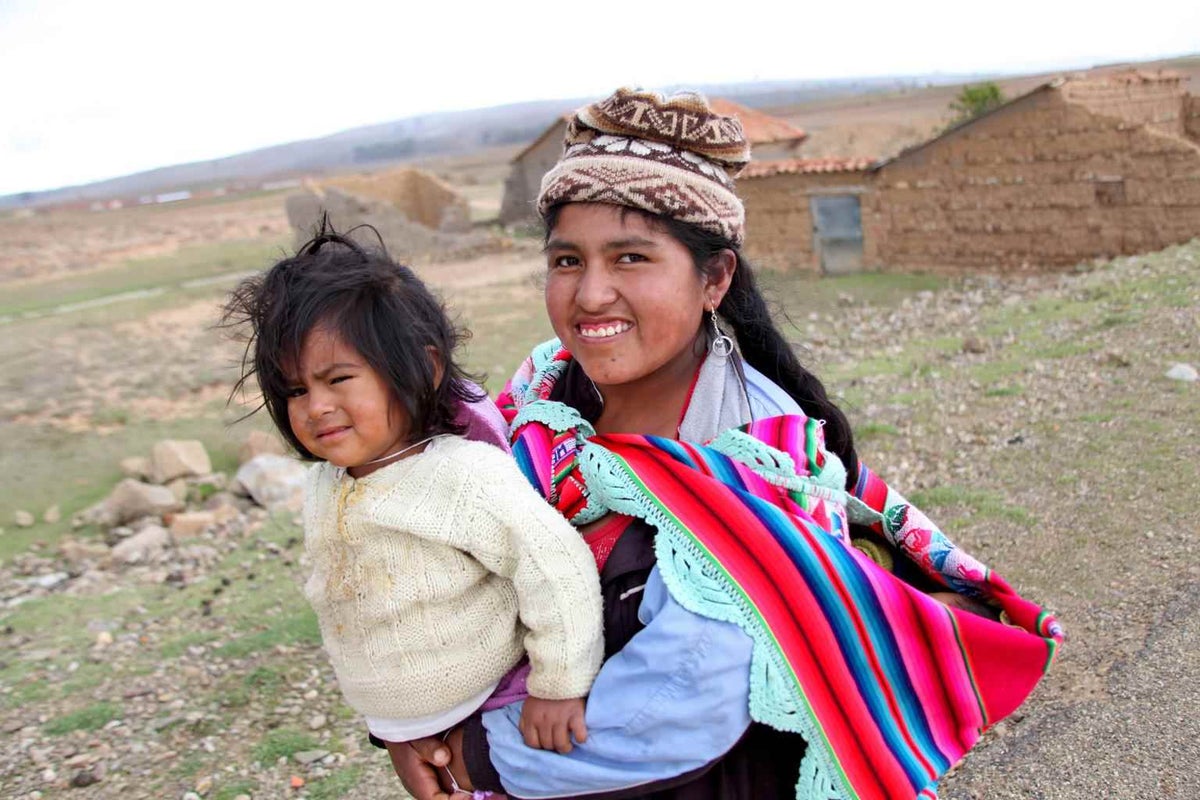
(674, 699)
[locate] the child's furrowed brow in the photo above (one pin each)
(324, 373)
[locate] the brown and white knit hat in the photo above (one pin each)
(672, 156)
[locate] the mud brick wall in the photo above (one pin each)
(525, 181)
(419, 196)
(779, 223)
(1155, 102)
(407, 241)
(1191, 117)
(1041, 183)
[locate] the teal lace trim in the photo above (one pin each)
(556, 416)
(702, 587)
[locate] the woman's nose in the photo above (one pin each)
(596, 289)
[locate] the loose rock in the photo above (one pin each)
(142, 547)
(23, 519)
(190, 524)
(136, 467)
(133, 499)
(53, 514)
(259, 442)
(171, 459)
(273, 481)
(309, 756)
(1183, 372)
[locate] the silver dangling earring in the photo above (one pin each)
(721, 344)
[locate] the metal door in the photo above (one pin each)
(837, 232)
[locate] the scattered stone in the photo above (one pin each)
(190, 796)
(274, 481)
(190, 524)
(53, 514)
(179, 488)
(14, 724)
(258, 443)
(316, 722)
(1116, 358)
(204, 785)
(172, 458)
(136, 467)
(143, 547)
(23, 519)
(306, 757)
(50, 581)
(133, 499)
(83, 778)
(103, 640)
(973, 344)
(76, 551)
(296, 782)
(1183, 372)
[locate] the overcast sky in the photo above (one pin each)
(92, 89)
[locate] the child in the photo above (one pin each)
(435, 565)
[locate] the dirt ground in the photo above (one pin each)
(1030, 416)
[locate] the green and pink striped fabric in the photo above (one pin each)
(889, 686)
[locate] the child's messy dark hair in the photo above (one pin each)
(378, 307)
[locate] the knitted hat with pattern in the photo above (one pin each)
(673, 156)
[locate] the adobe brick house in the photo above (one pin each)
(1075, 169)
(770, 138)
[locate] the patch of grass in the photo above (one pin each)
(232, 790)
(1004, 391)
(174, 648)
(263, 679)
(1064, 350)
(995, 371)
(1098, 417)
(336, 785)
(86, 719)
(140, 275)
(297, 626)
(977, 502)
(874, 430)
(282, 743)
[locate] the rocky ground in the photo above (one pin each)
(1034, 419)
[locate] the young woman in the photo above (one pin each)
(752, 649)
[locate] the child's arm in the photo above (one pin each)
(553, 573)
(550, 724)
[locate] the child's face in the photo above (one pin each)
(340, 409)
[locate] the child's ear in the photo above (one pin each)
(439, 368)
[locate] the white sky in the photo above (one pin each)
(92, 89)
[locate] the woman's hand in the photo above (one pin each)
(419, 764)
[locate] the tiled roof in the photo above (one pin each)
(804, 166)
(759, 128)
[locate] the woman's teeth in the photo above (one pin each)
(607, 330)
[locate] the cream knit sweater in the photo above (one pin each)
(431, 575)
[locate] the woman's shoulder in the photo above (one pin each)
(471, 457)
(767, 399)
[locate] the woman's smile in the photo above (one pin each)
(604, 330)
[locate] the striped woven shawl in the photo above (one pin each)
(888, 687)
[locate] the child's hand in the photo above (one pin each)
(549, 724)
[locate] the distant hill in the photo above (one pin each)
(448, 133)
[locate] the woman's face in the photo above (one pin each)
(624, 298)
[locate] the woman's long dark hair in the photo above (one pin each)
(761, 344)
